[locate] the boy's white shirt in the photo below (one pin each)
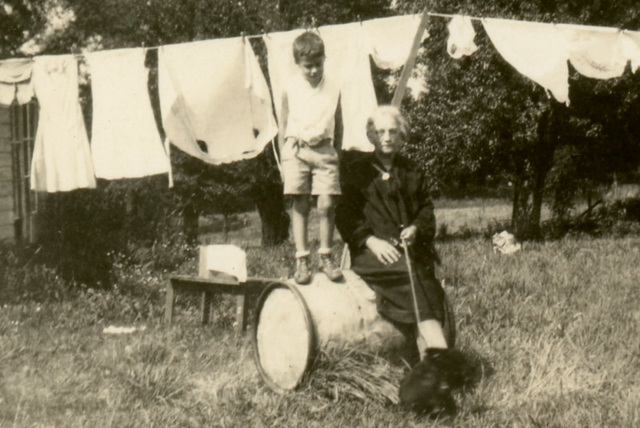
(311, 110)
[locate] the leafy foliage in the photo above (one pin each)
(481, 122)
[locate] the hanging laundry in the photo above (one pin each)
(280, 63)
(632, 48)
(125, 142)
(348, 63)
(61, 156)
(461, 34)
(596, 52)
(348, 48)
(206, 100)
(264, 122)
(15, 81)
(391, 39)
(535, 50)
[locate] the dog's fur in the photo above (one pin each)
(427, 387)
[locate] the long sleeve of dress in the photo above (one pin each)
(425, 219)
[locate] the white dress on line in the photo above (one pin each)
(61, 157)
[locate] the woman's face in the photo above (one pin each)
(386, 135)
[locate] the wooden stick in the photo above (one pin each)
(412, 281)
(411, 60)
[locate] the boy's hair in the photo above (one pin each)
(395, 114)
(308, 45)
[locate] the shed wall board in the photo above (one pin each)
(6, 178)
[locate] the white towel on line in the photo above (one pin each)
(205, 97)
(534, 49)
(632, 48)
(125, 142)
(391, 39)
(595, 52)
(461, 34)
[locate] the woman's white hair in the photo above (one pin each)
(392, 112)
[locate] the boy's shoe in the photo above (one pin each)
(303, 274)
(329, 268)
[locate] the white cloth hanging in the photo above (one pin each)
(534, 49)
(348, 63)
(391, 39)
(125, 142)
(61, 156)
(461, 34)
(15, 81)
(348, 48)
(632, 48)
(264, 122)
(596, 52)
(206, 100)
(280, 63)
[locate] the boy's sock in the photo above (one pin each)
(303, 273)
(328, 266)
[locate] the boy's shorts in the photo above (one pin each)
(310, 169)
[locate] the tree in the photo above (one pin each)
(481, 119)
(19, 21)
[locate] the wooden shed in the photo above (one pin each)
(18, 204)
(6, 176)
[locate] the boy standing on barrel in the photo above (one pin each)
(309, 159)
(385, 203)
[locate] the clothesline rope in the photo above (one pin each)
(258, 36)
(481, 18)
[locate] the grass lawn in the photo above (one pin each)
(556, 327)
(453, 216)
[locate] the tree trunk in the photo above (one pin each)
(267, 194)
(225, 227)
(532, 167)
(275, 220)
(190, 218)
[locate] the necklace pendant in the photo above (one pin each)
(386, 176)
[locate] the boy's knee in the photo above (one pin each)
(326, 205)
(301, 203)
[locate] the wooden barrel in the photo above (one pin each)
(292, 323)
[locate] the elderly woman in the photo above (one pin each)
(385, 201)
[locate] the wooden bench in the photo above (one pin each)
(209, 287)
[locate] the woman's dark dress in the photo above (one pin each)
(378, 204)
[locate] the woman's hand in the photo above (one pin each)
(409, 234)
(385, 252)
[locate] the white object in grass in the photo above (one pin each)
(505, 243)
(122, 330)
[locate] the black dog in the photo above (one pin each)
(427, 387)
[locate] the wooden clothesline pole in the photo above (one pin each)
(411, 60)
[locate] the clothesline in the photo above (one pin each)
(213, 99)
(223, 79)
(432, 14)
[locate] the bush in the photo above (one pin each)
(619, 218)
(82, 230)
